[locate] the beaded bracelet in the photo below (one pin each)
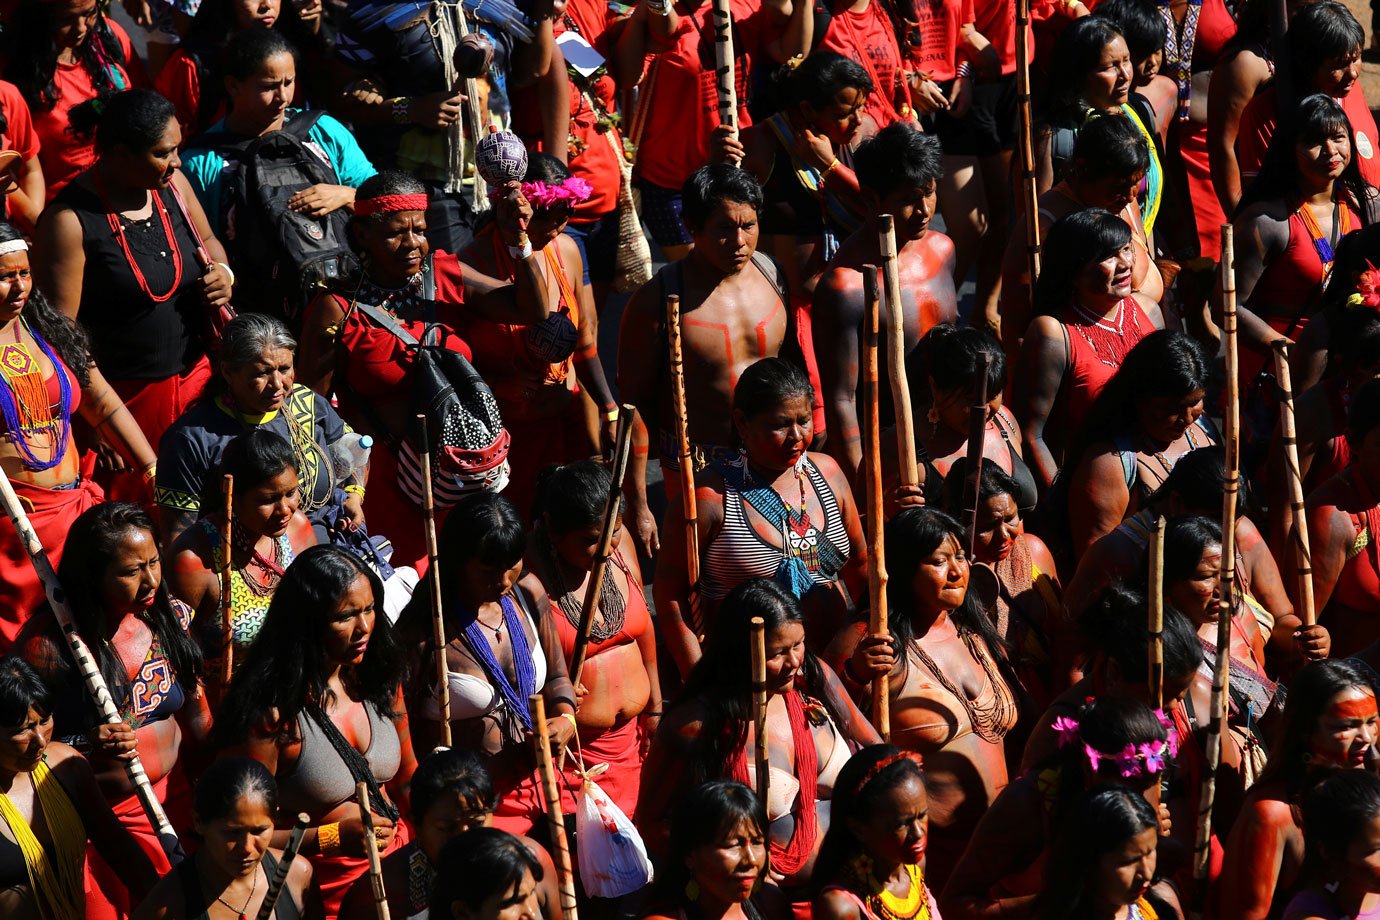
(402, 108)
(328, 839)
(964, 71)
(354, 490)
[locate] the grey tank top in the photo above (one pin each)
(321, 781)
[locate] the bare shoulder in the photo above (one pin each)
(836, 904)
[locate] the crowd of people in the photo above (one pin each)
(320, 595)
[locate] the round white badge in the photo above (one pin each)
(1363, 146)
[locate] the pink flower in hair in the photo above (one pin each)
(1067, 729)
(1094, 756)
(1128, 762)
(1153, 753)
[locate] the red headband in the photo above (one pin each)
(885, 762)
(387, 204)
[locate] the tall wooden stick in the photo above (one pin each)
(1216, 727)
(552, 793)
(1029, 188)
(876, 549)
(758, 635)
(1157, 614)
(433, 575)
(275, 884)
(1303, 555)
(687, 466)
(896, 352)
(977, 440)
(227, 549)
(725, 78)
(613, 509)
(366, 819)
(86, 665)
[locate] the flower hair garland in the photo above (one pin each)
(1148, 757)
(1367, 289)
(544, 194)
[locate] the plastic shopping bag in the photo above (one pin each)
(613, 859)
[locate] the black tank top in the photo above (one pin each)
(132, 337)
(195, 905)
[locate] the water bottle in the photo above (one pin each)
(350, 454)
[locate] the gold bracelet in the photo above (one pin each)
(328, 839)
(150, 473)
(611, 415)
(354, 490)
(824, 176)
(571, 716)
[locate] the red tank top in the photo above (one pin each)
(1258, 122)
(1096, 349)
(637, 619)
(1335, 455)
(1358, 584)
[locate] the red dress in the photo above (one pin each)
(373, 364)
(868, 38)
(1096, 349)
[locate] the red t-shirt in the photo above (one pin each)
(63, 155)
(868, 38)
(941, 23)
(682, 102)
(1258, 127)
(180, 84)
(996, 22)
(19, 134)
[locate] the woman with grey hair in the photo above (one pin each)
(254, 388)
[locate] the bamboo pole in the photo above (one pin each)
(758, 635)
(433, 575)
(1303, 555)
(1029, 188)
(1216, 727)
(552, 794)
(896, 352)
(613, 507)
(275, 884)
(371, 848)
(227, 550)
(1157, 615)
(725, 78)
(876, 524)
(86, 665)
(687, 466)
(977, 441)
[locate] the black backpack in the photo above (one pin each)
(283, 256)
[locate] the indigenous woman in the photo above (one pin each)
(121, 250)
(1245, 69)
(1103, 862)
(871, 864)
(953, 695)
(811, 729)
(1308, 196)
(502, 646)
(1028, 592)
(1330, 723)
(137, 632)
(539, 372)
(50, 805)
(621, 706)
(1003, 868)
(1342, 517)
(1341, 819)
(489, 874)
(47, 377)
(1089, 318)
(1109, 162)
(348, 350)
(235, 810)
(450, 793)
(60, 55)
(718, 857)
(951, 358)
(318, 701)
(1150, 414)
(260, 81)
(1324, 46)
(268, 531)
(255, 388)
(779, 511)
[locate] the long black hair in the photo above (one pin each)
(858, 793)
(135, 119)
(91, 544)
(1103, 819)
(1319, 32)
(285, 667)
(1110, 147)
(230, 779)
(1077, 52)
(447, 770)
(818, 80)
(721, 680)
(478, 864)
(1114, 625)
(31, 54)
(701, 817)
(1312, 119)
(1076, 241)
(572, 496)
(1309, 693)
(1186, 538)
(67, 338)
(21, 689)
(952, 357)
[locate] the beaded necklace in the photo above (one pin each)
(990, 723)
(24, 399)
(612, 604)
(273, 568)
(117, 229)
(1104, 335)
(1341, 226)
(914, 906)
(1178, 50)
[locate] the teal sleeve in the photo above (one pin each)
(203, 169)
(351, 166)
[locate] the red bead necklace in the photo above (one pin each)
(118, 230)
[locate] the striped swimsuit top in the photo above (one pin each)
(739, 552)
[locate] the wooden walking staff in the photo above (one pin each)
(758, 635)
(725, 77)
(1302, 553)
(552, 794)
(1216, 727)
(1029, 189)
(1157, 615)
(613, 509)
(86, 666)
(227, 548)
(687, 466)
(433, 575)
(876, 549)
(372, 849)
(275, 884)
(896, 352)
(977, 439)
